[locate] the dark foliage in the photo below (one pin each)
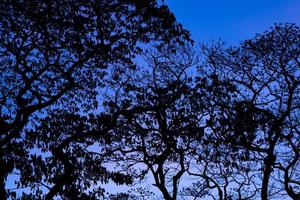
(57, 53)
(78, 113)
(264, 120)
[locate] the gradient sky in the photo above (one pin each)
(232, 20)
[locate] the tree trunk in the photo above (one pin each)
(266, 176)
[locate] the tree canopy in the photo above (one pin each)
(99, 92)
(57, 54)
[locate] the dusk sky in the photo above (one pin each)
(232, 20)
(220, 130)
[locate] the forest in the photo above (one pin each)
(97, 95)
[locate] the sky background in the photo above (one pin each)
(232, 20)
(229, 20)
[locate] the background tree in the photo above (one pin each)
(264, 121)
(58, 51)
(149, 137)
(167, 136)
(248, 104)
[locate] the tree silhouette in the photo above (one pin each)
(264, 122)
(219, 123)
(58, 53)
(225, 127)
(168, 136)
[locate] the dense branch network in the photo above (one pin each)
(78, 111)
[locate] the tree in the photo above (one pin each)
(167, 136)
(227, 117)
(56, 53)
(70, 165)
(236, 121)
(264, 122)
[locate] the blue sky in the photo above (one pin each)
(232, 20)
